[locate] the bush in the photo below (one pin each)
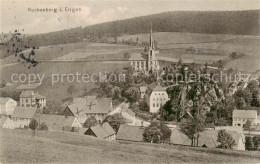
(33, 124)
(43, 126)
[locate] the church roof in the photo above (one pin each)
(137, 57)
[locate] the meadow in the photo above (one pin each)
(44, 146)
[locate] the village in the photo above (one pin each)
(150, 107)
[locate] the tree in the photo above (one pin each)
(255, 99)
(247, 125)
(225, 139)
(249, 143)
(116, 92)
(91, 121)
(157, 132)
(33, 124)
(132, 94)
(143, 106)
(43, 126)
(114, 121)
(191, 127)
(71, 90)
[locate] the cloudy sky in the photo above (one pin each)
(15, 14)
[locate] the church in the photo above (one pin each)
(151, 64)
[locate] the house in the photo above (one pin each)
(22, 116)
(6, 122)
(137, 62)
(31, 98)
(104, 131)
(156, 97)
(130, 133)
(58, 122)
(208, 138)
(240, 117)
(143, 91)
(7, 105)
(98, 107)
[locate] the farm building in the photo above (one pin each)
(97, 107)
(7, 105)
(208, 138)
(58, 122)
(22, 116)
(130, 133)
(104, 131)
(6, 122)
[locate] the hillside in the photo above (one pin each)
(43, 147)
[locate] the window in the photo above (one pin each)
(157, 105)
(153, 104)
(162, 93)
(155, 93)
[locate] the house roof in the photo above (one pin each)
(245, 113)
(159, 88)
(24, 112)
(28, 86)
(143, 88)
(27, 94)
(102, 131)
(38, 96)
(178, 138)
(4, 100)
(2, 121)
(130, 133)
(55, 122)
(101, 106)
(136, 56)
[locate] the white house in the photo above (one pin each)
(7, 105)
(240, 117)
(31, 98)
(6, 122)
(22, 116)
(143, 91)
(156, 97)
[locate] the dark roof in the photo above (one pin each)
(24, 112)
(102, 131)
(130, 133)
(102, 106)
(55, 122)
(26, 94)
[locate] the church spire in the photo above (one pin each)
(151, 45)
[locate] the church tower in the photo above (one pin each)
(153, 64)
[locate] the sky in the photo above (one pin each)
(16, 14)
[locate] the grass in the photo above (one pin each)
(41, 147)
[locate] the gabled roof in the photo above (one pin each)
(2, 121)
(27, 94)
(137, 57)
(101, 106)
(159, 88)
(143, 88)
(130, 133)
(245, 113)
(38, 96)
(24, 112)
(4, 100)
(102, 131)
(55, 122)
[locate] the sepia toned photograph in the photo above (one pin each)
(130, 81)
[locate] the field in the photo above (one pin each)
(223, 44)
(41, 147)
